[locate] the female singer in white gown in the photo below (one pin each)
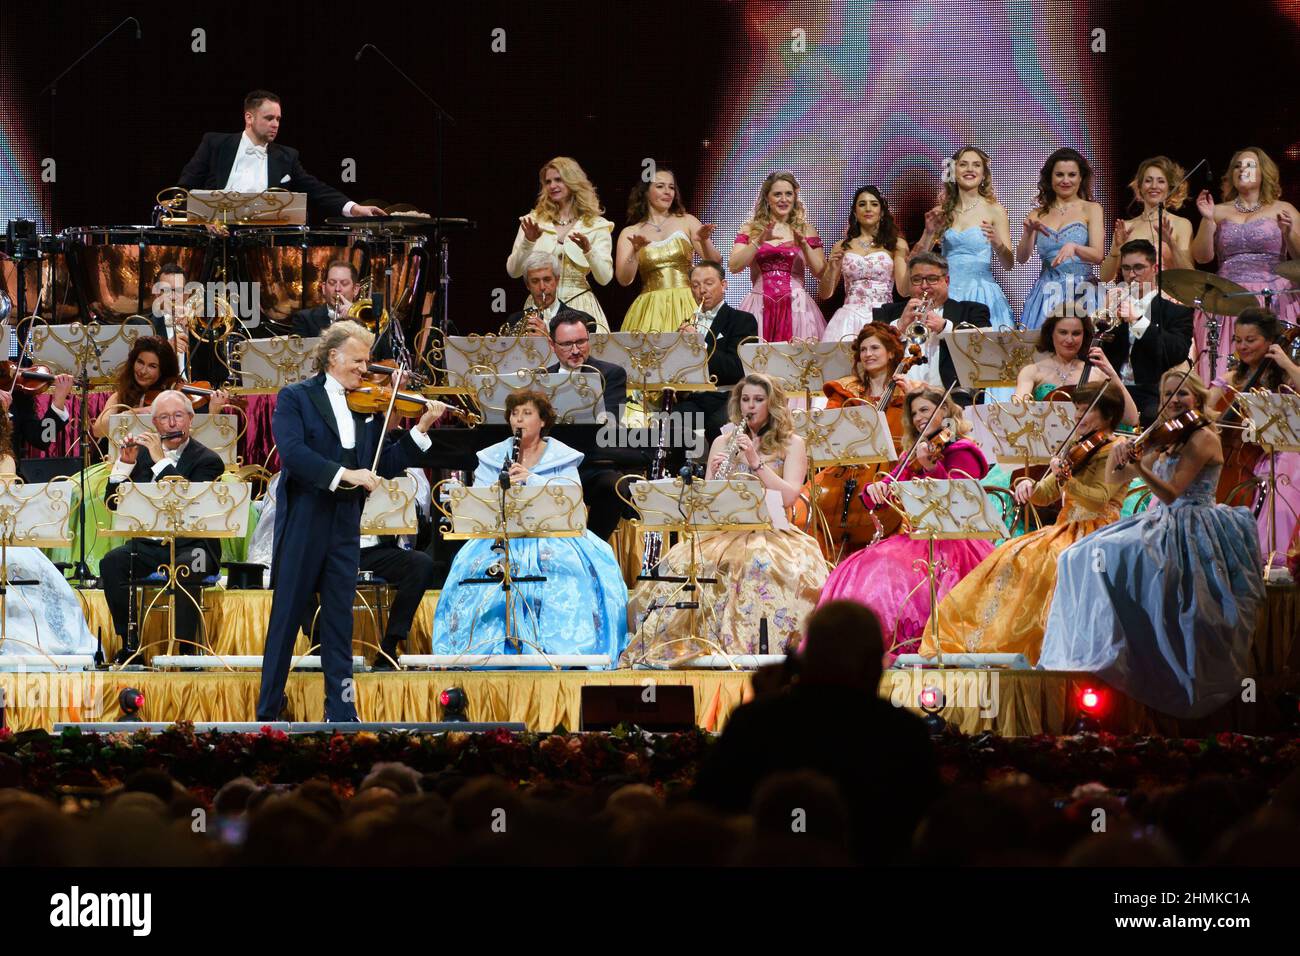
(43, 617)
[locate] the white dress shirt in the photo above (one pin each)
(929, 371)
(122, 469)
(338, 399)
(703, 318)
(248, 173)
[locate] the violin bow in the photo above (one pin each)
(943, 403)
(395, 379)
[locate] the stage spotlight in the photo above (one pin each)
(455, 703)
(931, 701)
(132, 702)
(1092, 705)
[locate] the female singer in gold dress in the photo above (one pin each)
(658, 242)
(1155, 177)
(763, 576)
(566, 221)
(1002, 606)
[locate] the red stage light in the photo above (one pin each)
(1092, 700)
(931, 698)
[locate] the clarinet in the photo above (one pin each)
(499, 545)
(654, 540)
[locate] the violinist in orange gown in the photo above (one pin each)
(879, 379)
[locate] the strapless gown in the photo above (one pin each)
(1162, 606)
(868, 284)
(1056, 284)
(779, 301)
(970, 273)
(665, 301)
(1248, 254)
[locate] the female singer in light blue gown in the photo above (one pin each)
(581, 607)
(1163, 605)
(973, 227)
(1068, 231)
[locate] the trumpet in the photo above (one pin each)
(917, 331)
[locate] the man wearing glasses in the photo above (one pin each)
(929, 274)
(167, 452)
(572, 344)
(1154, 333)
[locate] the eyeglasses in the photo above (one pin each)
(573, 346)
(928, 280)
(171, 417)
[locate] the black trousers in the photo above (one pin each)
(409, 573)
(115, 570)
(711, 407)
(600, 490)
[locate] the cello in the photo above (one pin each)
(839, 519)
(1240, 458)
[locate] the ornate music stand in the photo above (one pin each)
(464, 355)
(551, 510)
(946, 509)
(1027, 433)
(267, 365)
(218, 432)
(689, 509)
(1273, 421)
(31, 516)
(989, 358)
(849, 435)
(177, 508)
(802, 366)
(578, 397)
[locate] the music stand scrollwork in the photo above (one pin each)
(31, 516)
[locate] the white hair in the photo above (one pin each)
(170, 393)
(542, 260)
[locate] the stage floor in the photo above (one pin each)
(1010, 703)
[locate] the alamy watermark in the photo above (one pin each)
(664, 429)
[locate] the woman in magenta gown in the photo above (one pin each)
(1249, 233)
(890, 577)
(776, 245)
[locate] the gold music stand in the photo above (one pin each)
(689, 509)
(31, 516)
(1273, 422)
(802, 366)
(178, 508)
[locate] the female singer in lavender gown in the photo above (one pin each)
(1162, 606)
(774, 245)
(1249, 233)
(973, 228)
(1067, 230)
(872, 259)
(890, 577)
(581, 607)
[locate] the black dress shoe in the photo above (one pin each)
(387, 655)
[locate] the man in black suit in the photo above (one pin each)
(338, 292)
(1154, 333)
(252, 161)
(833, 721)
(571, 341)
(542, 277)
(725, 328)
(929, 273)
(151, 457)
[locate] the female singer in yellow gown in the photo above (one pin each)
(1002, 605)
(774, 576)
(658, 244)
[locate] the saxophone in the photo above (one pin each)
(520, 327)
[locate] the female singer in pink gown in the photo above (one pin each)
(871, 258)
(774, 245)
(890, 577)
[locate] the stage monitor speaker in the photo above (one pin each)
(658, 707)
(34, 470)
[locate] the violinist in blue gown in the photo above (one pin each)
(581, 607)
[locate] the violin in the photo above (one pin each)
(1086, 448)
(199, 393)
(375, 400)
(33, 380)
(1170, 431)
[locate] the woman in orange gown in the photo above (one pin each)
(1002, 606)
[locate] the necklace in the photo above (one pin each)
(963, 209)
(1241, 207)
(657, 226)
(1063, 371)
(565, 222)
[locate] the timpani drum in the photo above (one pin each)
(288, 264)
(48, 283)
(114, 268)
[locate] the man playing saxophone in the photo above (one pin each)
(339, 288)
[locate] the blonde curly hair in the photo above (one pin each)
(950, 195)
(763, 210)
(1173, 173)
(775, 435)
(586, 204)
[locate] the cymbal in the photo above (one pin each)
(1289, 270)
(1206, 291)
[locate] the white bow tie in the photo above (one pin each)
(259, 151)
